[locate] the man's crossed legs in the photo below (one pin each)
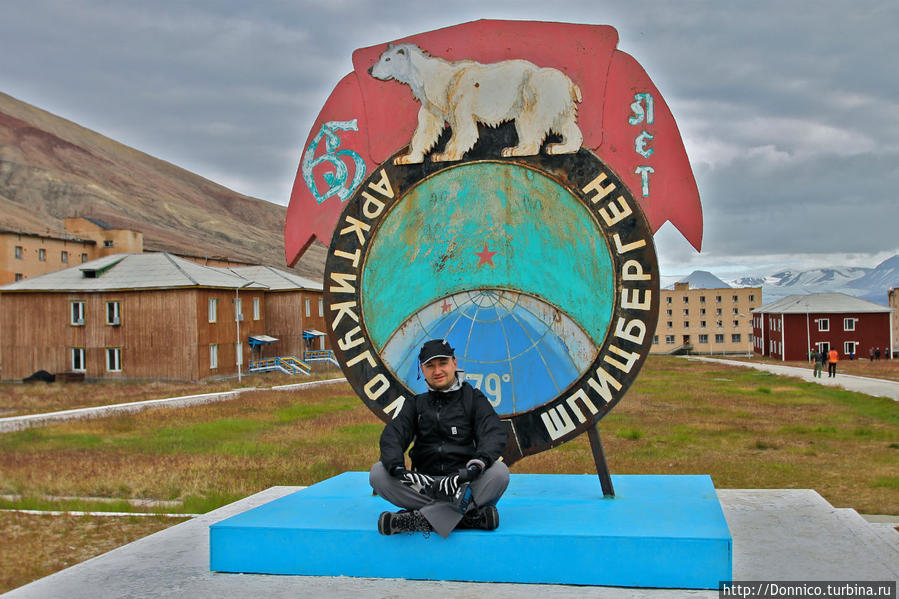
(441, 515)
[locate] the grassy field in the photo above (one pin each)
(745, 428)
(17, 399)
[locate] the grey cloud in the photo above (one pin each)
(788, 110)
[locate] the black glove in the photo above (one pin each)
(470, 473)
(413, 479)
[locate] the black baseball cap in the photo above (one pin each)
(435, 348)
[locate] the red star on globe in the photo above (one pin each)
(446, 307)
(486, 256)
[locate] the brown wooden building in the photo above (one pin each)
(146, 316)
(294, 310)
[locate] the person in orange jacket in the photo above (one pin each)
(832, 359)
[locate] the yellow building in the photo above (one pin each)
(705, 321)
(26, 254)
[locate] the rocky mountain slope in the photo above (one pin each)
(51, 168)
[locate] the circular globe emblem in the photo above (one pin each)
(540, 271)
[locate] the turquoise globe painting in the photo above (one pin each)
(467, 256)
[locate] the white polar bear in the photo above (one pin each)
(464, 93)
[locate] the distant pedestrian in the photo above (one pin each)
(822, 359)
(816, 358)
(871, 353)
(877, 353)
(832, 359)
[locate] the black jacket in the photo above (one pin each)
(448, 429)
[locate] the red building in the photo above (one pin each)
(787, 328)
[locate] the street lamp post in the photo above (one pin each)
(238, 312)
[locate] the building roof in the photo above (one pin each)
(58, 237)
(273, 278)
(821, 303)
(119, 272)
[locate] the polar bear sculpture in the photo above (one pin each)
(465, 93)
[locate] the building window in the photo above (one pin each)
(702, 324)
(83, 258)
(238, 350)
(107, 243)
(256, 310)
(668, 300)
(718, 312)
(718, 298)
(670, 324)
(321, 307)
(308, 306)
(736, 311)
(849, 324)
(64, 257)
(686, 300)
(686, 324)
(849, 347)
(668, 312)
(751, 298)
(701, 299)
(19, 252)
(77, 314)
(213, 356)
(736, 323)
(78, 359)
(703, 338)
(213, 309)
(736, 298)
(823, 324)
(113, 313)
(720, 324)
(735, 338)
(114, 359)
(686, 311)
(669, 339)
(42, 255)
(238, 309)
(655, 339)
(702, 311)
(19, 276)
(719, 338)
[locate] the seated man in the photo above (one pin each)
(455, 477)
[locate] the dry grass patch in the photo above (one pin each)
(18, 399)
(35, 546)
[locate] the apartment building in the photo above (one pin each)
(25, 255)
(706, 321)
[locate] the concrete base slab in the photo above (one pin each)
(778, 535)
(659, 531)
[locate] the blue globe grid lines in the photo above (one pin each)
(504, 341)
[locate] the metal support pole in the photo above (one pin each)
(599, 458)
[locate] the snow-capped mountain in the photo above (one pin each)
(871, 284)
(700, 279)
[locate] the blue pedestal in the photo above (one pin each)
(659, 531)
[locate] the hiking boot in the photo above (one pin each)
(482, 518)
(390, 523)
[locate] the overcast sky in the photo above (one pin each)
(789, 110)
